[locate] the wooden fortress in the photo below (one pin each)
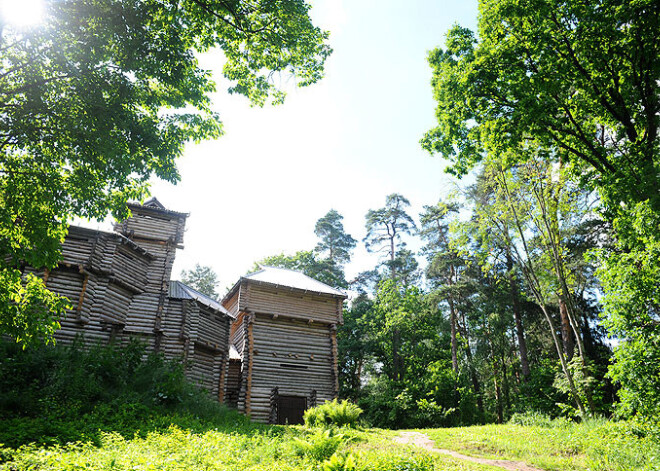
(119, 285)
(269, 348)
(285, 341)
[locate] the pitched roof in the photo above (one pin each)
(292, 279)
(154, 206)
(179, 290)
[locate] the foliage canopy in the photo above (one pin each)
(104, 94)
(579, 79)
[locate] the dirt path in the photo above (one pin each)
(423, 441)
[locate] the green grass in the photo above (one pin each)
(593, 446)
(597, 445)
(110, 408)
(260, 449)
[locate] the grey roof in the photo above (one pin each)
(292, 279)
(179, 290)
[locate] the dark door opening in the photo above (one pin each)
(290, 409)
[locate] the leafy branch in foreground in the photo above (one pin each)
(102, 95)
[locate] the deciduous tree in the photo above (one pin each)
(202, 278)
(101, 96)
(580, 78)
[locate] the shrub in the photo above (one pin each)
(60, 394)
(318, 446)
(342, 413)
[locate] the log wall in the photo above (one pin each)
(295, 357)
(118, 287)
(269, 299)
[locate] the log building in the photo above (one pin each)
(269, 349)
(284, 344)
(120, 288)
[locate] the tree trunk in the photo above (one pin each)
(535, 286)
(473, 371)
(496, 377)
(396, 338)
(566, 331)
(454, 341)
(517, 316)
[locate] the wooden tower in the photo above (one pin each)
(284, 344)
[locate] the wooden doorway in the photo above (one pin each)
(290, 409)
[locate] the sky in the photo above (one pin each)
(344, 143)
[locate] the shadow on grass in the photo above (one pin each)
(129, 420)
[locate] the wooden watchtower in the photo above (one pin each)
(284, 344)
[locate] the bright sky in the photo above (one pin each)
(344, 143)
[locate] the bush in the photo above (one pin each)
(341, 462)
(318, 446)
(60, 394)
(332, 412)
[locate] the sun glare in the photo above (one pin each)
(21, 13)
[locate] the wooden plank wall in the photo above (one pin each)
(118, 289)
(269, 299)
(206, 368)
(294, 356)
(146, 309)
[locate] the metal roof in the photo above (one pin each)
(292, 279)
(178, 290)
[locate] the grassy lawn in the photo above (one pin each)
(274, 448)
(594, 446)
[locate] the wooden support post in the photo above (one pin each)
(222, 383)
(334, 362)
(274, 395)
(312, 398)
(250, 339)
(81, 299)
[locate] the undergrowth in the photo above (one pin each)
(334, 413)
(65, 408)
(54, 395)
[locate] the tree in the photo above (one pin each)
(444, 262)
(334, 243)
(385, 226)
(581, 79)
(103, 95)
(308, 263)
(384, 229)
(203, 279)
(399, 319)
(355, 347)
(514, 213)
(629, 274)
